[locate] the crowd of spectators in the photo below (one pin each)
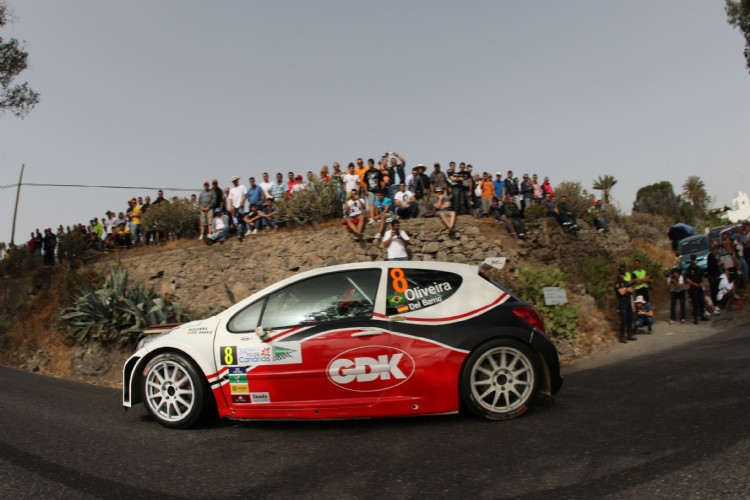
(370, 193)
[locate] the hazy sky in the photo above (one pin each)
(168, 93)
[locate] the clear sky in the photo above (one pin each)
(168, 93)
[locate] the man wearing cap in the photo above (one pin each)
(694, 279)
(644, 315)
(624, 292)
(206, 205)
(220, 227)
(395, 240)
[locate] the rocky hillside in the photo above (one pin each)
(197, 276)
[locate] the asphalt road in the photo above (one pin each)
(674, 423)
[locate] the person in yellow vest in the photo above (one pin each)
(640, 280)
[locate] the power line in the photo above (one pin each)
(99, 187)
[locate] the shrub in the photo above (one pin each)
(316, 203)
(561, 320)
(179, 219)
(116, 314)
(534, 212)
(577, 201)
(19, 261)
(598, 278)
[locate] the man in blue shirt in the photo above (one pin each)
(255, 194)
(380, 212)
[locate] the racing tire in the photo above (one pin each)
(173, 391)
(500, 380)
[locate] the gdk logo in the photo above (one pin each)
(372, 368)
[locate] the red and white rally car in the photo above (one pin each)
(371, 339)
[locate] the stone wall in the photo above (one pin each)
(195, 275)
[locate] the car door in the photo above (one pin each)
(311, 344)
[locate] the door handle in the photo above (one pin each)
(368, 332)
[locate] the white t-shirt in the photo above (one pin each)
(235, 196)
(397, 247)
(266, 187)
(402, 197)
(351, 182)
(354, 207)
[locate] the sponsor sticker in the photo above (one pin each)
(237, 379)
(241, 399)
(239, 388)
(371, 368)
(198, 330)
(282, 353)
(260, 397)
(414, 289)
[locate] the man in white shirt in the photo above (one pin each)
(395, 241)
(266, 185)
(406, 204)
(355, 217)
(237, 196)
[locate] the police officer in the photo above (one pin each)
(624, 291)
(694, 279)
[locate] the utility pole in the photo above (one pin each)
(15, 209)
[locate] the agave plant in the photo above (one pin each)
(116, 314)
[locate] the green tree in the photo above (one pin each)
(605, 183)
(660, 199)
(694, 190)
(19, 99)
(738, 15)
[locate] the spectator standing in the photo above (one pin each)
(527, 192)
(538, 193)
(396, 172)
(438, 180)
(160, 235)
(134, 215)
(278, 190)
(238, 196)
(49, 242)
(547, 188)
(641, 280)
(206, 205)
(395, 240)
(487, 192)
(38, 243)
(219, 203)
(266, 185)
(624, 293)
(676, 284)
(255, 194)
(372, 178)
(694, 279)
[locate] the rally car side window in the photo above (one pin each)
(415, 289)
(323, 299)
(247, 319)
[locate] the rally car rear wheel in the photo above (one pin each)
(173, 391)
(500, 380)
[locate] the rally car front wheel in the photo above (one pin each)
(500, 380)
(173, 390)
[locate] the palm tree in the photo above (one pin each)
(605, 183)
(694, 190)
